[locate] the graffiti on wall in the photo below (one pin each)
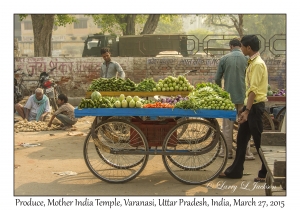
(177, 62)
(64, 67)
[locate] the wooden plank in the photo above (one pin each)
(279, 168)
(277, 98)
(277, 149)
(274, 158)
(140, 94)
(273, 138)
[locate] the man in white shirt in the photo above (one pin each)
(110, 68)
(36, 108)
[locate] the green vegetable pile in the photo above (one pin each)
(103, 102)
(112, 84)
(171, 83)
(146, 85)
(219, 91)
(207, 96)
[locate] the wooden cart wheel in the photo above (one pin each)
(279, 119)
(268, 123)
(268, 188)
(110, 167)
(190, 168)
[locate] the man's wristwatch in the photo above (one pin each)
(247, 110)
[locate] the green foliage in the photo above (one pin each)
(111, 23)
(267, 24)
(59, 20)
(22, 17)
(63, 20)
(170, 24)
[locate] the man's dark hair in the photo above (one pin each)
(235, 42)
(252, 41)
(104, 50)
(63, 97)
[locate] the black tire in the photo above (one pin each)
(110, 167)
(184, 128)
(268, 124)
(201, 166)
(191, 168)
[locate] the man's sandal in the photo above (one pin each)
(222, 175)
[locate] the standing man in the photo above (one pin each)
(110, 68)
(250, 116)
(36, 108)
(232, 67)
(65, 112)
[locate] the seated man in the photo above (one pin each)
(36, 108)
(65, 112)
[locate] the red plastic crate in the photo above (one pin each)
(155, 131)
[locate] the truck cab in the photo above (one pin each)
(94, 43)
(147, 45)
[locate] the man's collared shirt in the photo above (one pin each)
(110, 70)
(68, 110)
(256, 79)
(232, 67)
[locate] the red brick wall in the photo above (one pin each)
(74, 75)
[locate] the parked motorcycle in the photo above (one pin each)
(51, 89)
(17, 93)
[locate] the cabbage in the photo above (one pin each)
(95, 95)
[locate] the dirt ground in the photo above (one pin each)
(42, 170)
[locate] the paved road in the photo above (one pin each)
(35, 167)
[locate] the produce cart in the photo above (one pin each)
(117, 148)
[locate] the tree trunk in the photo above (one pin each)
(238, 24)
(42, 32)
(151, 24)
(130, 25)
